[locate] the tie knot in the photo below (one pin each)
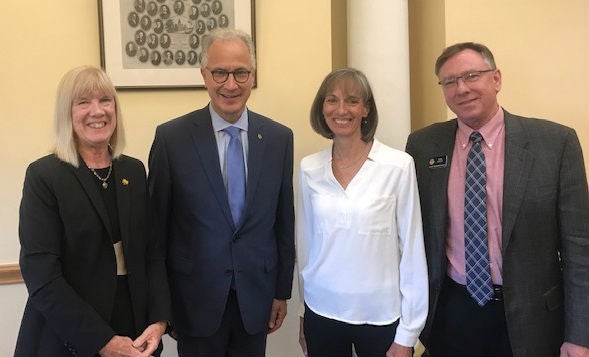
(476, 137)
(232, 130)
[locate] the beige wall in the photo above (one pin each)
(541, 47)
(339, 35)
(294, 54)
(43, 39)
(426, 38)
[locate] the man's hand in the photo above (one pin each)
(571, 350)
(150, 338)
(277, 316)
(121, 346)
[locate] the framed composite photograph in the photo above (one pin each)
(156, 43)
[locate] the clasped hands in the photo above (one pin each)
(143, 346)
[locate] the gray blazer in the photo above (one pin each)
(545, 229)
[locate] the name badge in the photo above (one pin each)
(437, 162)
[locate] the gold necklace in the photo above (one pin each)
(363, 154)
(103, 179)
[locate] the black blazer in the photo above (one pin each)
(68, 262)
(204, 248)
(545, 230)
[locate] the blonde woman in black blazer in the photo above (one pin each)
(97, 284)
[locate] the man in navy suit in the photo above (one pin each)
(230, 276)
(537, 222)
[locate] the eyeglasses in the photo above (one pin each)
(468, 77)
(221, 75)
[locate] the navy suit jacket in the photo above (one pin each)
(68, 261)
(545, 230)
(205, 250)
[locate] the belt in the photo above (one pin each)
(497, 289)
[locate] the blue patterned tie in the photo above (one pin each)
(478, 275)
(235, 173)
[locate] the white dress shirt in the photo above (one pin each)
(361, 256)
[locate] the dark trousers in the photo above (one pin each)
(230, 340)
(463, 328)
(122, 321)
(326, 337)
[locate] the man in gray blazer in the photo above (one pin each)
(230, 265)
(536, 242)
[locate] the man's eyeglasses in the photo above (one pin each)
(468, 77)
(221, 75)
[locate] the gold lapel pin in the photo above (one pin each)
(125, 181)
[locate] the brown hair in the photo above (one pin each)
(459, 47)
(357, 78)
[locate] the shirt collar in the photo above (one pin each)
(220, 123)
(490, 131)
(373, 153)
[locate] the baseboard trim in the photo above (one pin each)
(10, 274)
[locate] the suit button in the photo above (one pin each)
(70, 348)
(228, 271)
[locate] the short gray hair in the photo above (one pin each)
(223, 35)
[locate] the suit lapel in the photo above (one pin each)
(87, 181)
(121, 171)
(518, 164)
(443, 144)
(256, 147)
(205, 145)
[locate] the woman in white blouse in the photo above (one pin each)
(362, 267)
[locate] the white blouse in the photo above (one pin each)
(360, 251)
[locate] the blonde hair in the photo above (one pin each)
(78, 82)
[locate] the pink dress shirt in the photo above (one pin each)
(494, 149)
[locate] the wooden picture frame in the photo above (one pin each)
(156, 43)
